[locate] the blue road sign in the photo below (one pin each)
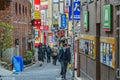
(76, 10)
(63, 21)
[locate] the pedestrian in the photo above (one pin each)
(49, 51)
(55, 54)
(64, 59)
(41, 54)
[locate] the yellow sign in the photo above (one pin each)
(37, 14)
(37, 40)
(55, 22)
(66, 15)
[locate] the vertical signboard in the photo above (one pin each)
(76, 10)
(106, 17)
(55, 13)
(86, 20)
(63, 21)
(37, 21)
(66, 6)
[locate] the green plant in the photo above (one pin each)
(5, 36)
(28, 55)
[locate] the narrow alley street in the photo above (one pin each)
(36, 72)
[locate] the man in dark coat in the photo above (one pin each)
(41, 54)
(64, 58)
(49, 51)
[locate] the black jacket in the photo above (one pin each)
(64, 55)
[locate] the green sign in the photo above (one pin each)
(86, 20)
(106, 17)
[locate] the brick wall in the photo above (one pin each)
(18, 14)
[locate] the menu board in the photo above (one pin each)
(107, 52)
(87, 46)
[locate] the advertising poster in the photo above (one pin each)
(104, 53)
(87, 46)
(101, 51)
(107, 52)
(92, 49)
(110, 56)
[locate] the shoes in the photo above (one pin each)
(40, 64)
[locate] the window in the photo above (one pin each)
(26, 10)
(16, 10)
(23, 9)
(2, 4)
(19, 9)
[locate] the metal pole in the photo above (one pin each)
(73, 40)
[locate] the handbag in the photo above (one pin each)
(69, 66)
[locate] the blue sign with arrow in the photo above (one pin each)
(76, 10)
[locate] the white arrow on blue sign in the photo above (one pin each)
(76, 10)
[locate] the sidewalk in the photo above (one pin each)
(4, 72)
(76, 78)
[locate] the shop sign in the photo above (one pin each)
(43, 6)
(86, 20)
(63, 21)
(45, 27)
(106, 17)
(36, 14)
(37, 41)
(55, 22)
(50, 34)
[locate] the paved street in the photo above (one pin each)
(47, 72)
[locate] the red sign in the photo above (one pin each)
(37, 22)
(44, 6)
(37, 2)
(45, 27)
(61, 33)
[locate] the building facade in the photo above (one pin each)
(18, 14)
(98, 41)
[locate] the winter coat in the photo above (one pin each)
(64, 55)
(41, 54)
